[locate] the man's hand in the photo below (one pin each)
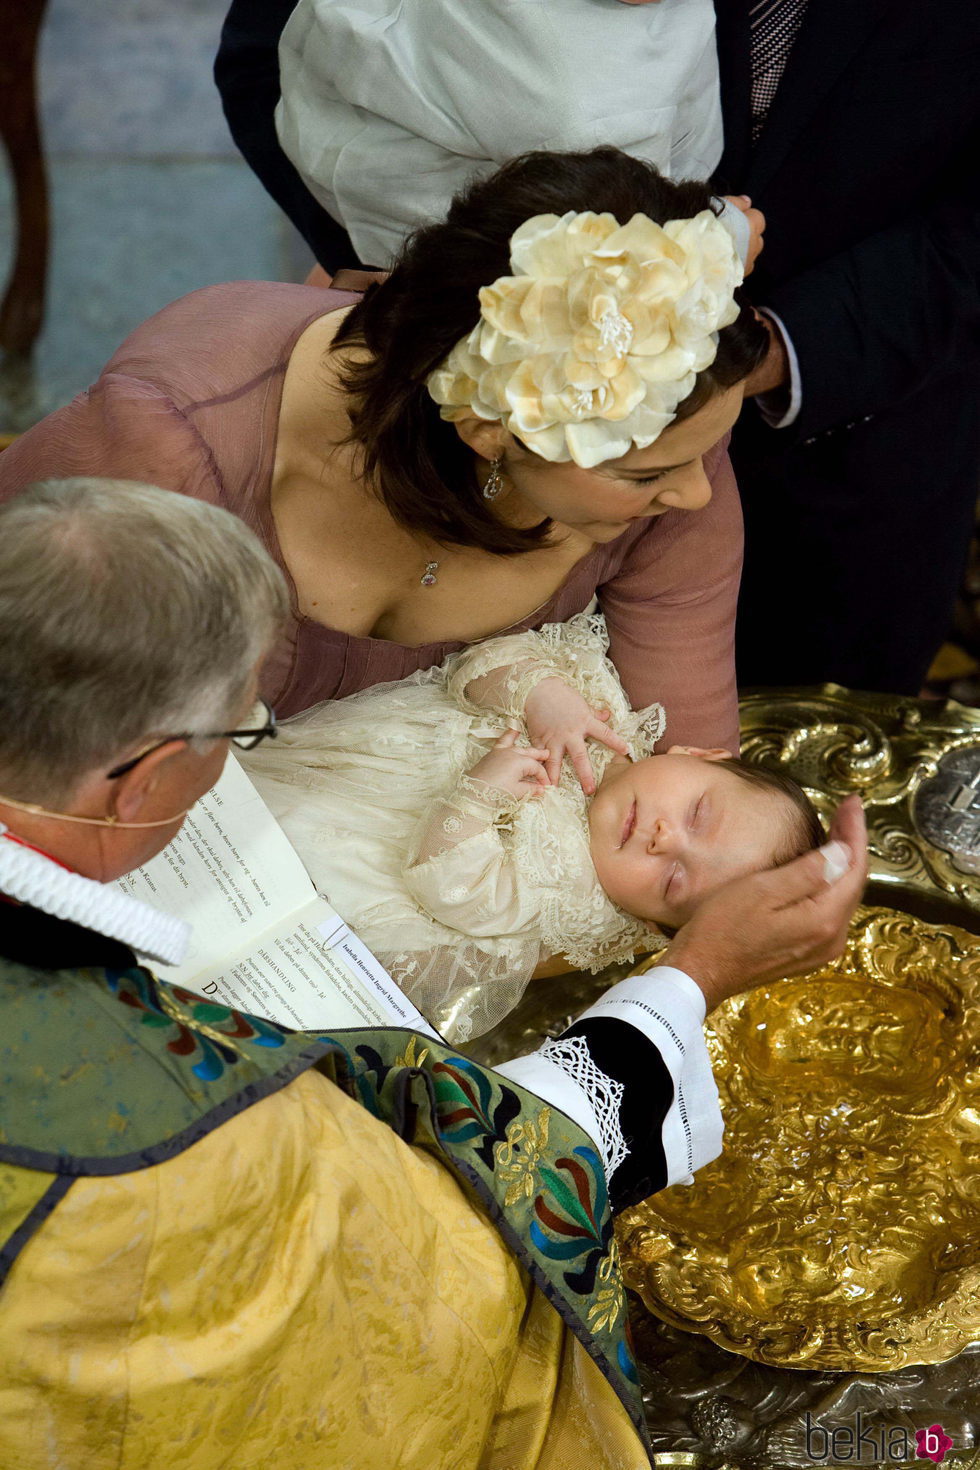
(781, 922)
(517, 770)
(757, 228)
(558, 717)
(773, 370)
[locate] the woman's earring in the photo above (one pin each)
(495, 480)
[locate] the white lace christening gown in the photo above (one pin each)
(458, 888)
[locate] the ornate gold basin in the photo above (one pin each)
(840, 1228)
(916, 766)
(839, 1234)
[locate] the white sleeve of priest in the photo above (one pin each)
(668, 1008)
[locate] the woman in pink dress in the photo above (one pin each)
(410, 527)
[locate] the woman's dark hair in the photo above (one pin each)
(804, 830)
(416, 462)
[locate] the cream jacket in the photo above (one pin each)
(389, 107)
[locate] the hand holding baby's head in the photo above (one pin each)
(666, 831)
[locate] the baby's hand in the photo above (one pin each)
(519, 771)
(757, 226)
(558, 717)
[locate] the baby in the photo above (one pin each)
(463, 857)
(663, 832)
(390, 107)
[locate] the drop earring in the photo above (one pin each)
(495, 480)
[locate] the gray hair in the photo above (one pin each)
(126, 613)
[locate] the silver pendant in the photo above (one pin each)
(428, 577)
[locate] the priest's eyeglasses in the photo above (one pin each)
(261, 726)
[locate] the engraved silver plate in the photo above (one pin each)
(946, 809)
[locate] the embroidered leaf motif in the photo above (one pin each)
(571, 1211)
(555, 1250)
(609, 1302)
(211, 1055)
(518, 1156)
(471, 1080)
(571, 1202)
(408, 1057)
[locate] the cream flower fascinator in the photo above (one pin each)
(601, 331)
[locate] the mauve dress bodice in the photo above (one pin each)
(191, 402)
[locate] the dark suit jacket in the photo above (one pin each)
(868, 170)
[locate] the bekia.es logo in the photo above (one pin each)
(857, 1442)
(932, 1444)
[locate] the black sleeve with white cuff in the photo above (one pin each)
(633, 1071)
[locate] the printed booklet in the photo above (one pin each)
(263, 940)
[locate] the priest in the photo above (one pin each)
(225, 1243)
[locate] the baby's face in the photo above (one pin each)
(667, 831)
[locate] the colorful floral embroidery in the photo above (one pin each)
(465, 1107)
(207, 1043)
(577, 1214)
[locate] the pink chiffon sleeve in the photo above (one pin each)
(670, 611)
(122, 428)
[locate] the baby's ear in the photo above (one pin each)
(716, 754)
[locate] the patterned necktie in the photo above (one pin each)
(773, 25)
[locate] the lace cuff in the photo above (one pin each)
(520, 684)
(500, 673)
(473, 797)
(503, 689)
(667, 1006)
(634, 1071)
(471, 807)
(572, 1055)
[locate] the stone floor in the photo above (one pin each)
(149, 196)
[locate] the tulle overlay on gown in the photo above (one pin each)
(462, 925)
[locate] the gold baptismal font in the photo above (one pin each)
(812, 1298)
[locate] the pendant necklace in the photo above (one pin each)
(493, 487)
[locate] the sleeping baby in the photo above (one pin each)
(463, 856)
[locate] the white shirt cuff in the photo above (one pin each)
(669, 1008)
(781, 417)
(736, 222)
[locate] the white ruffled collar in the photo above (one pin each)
(577, 919)
(35, 879)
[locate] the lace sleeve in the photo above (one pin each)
(463, 874)
(473, 806)
(500, 673)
